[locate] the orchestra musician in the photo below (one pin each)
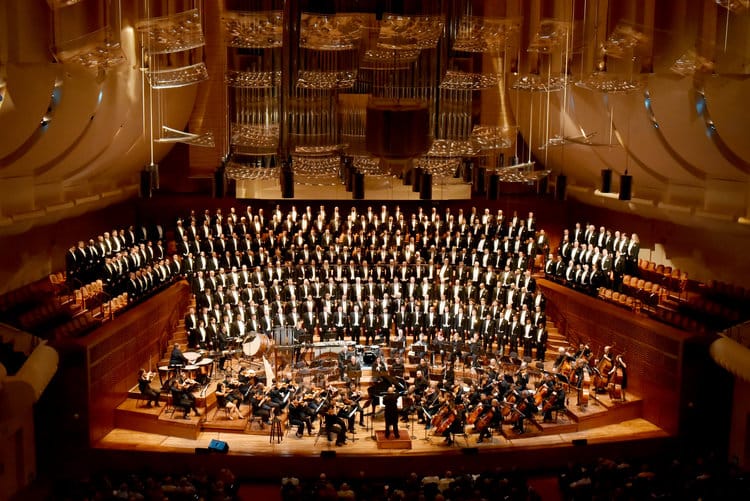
(618, 376)
(299, 417)
(524, 408)
(176, 358)
(231, 401)
(144, 386)
(334, 424)
(182, 396)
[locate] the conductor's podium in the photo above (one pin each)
(403, 442)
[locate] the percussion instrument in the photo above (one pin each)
(205, 367)
(258, 346)
(368, 358)
(191, 357)
(191, 371)
(165, 373)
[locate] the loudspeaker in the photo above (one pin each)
(416, 180)
(220, 183)
(348, 177)
(606, 180)
(626, 183)
(327, 454)
(287, 182)
(580, 441)
(425, 190)
(468, 166)
(218, 446)
(561, 187)
(145, 184)
(470, 451)
(493, 186)
(358, 186)
(479, 181)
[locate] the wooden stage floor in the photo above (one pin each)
(260, 444)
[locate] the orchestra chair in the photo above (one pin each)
(252, 418)
(221, 404)
(463, 434)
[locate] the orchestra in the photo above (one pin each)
(473, 305)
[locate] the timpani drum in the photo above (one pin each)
(205, 367)
(191, 371)
(258, 346)
(191, 357)
(368, 358)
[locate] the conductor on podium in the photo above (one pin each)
(390, 401)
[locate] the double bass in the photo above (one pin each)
(474, 414)
(601, 376)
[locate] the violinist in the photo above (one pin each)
(144, 386)
(258, 401)
(182, 397)
(231, 401)
(334, 424)
(299, 417)
(352, 399)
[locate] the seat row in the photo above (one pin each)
(620, 299)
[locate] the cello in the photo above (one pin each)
(484, 420)
(474, 414)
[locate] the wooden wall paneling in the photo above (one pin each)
(653, 351)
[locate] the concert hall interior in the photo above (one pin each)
(288, 238)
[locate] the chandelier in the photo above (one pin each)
(253, 30)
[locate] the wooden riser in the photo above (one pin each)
(156, 420)
(403, 442)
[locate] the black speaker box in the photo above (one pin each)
(467, 170)
(493, 186)
(416, 180)
(470, 451)
(479, 180)
(358, 186)
(561, 186)
(606, 180)
(218, 446)
(220, 183)
(626, 185)
(580, 441)
(328, 454)
(145, 184)
(425, 190)
(287, 182)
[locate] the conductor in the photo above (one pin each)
(390, 401)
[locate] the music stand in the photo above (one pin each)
(428, 419)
